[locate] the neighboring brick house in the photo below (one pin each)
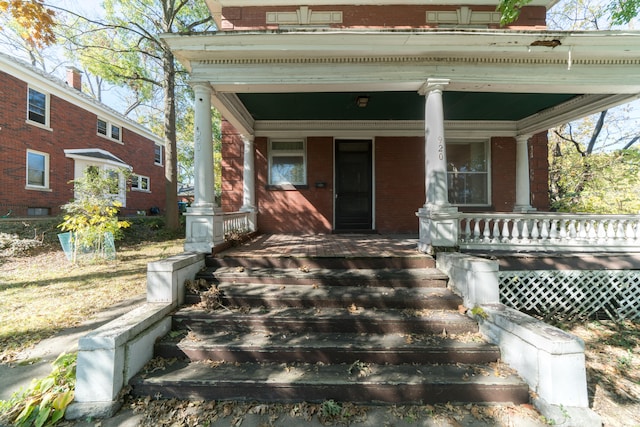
(359, 116)
(50, 132)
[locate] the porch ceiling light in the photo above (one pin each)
(362, 101)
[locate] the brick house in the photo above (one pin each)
(50, 133)
(340, 117)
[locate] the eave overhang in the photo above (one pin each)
(600, 69)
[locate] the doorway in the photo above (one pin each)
(353, 187)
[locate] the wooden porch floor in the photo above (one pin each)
(327, 245)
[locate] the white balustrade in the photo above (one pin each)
(549, 232)
(236, 223)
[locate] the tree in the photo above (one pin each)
(619, 12)
(33, 18)
(93, 213)
(124, 48)
(588, 175)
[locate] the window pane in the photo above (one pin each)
(102, 127)
(135, 181)
(468, 188)
(144, 183)
(37, 106)
(466, 157)
(287, 170)
(36, 169)
(158, 154)
(115, 132)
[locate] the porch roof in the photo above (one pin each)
(511, 81)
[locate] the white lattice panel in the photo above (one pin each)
(573, 294)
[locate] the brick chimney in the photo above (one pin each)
(74, 78)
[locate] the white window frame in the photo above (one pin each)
(159, 161)
(487, 153)
(46, 171)
(47, 108)
(140, 178)
(288, 153)
(109, 126)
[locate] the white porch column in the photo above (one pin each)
(438, 219)
(249, 182)
(204, 227)
(523, 190)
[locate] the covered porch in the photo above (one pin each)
(403, 99)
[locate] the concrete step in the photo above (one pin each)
(271, 296)
(405, 278)
(358, 382)
(256, 346)
(351, 319)
(326, 262)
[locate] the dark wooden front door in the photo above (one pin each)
(353, 207)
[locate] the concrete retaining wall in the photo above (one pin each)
(550, 360)
(111, 355)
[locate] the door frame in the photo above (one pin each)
(373, 178)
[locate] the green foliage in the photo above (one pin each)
(94, 211)
(45, 401)
(603, 182)
(479, 312)
(623, 11)
(510, 10)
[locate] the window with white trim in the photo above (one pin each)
(287, 162)
(108, 130)
(37, 170)
(38, 107)
(468, 173)
(140, 183)
(157, 154)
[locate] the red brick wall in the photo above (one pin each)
(539, 171)
(503, 179)
(399, 178)
(399, 183)
(232, 166)
(308, 210)
(396, 16)
(71, 127)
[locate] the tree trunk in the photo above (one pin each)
(170, 149)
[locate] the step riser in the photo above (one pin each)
(269, 326)
(326, 262)
(328, 355)
(224, 279)
(356, 393)
(435, 303)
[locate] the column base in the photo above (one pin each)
(438, 228)
(204, 229)
(524, 208)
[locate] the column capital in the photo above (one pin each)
(432, 85)
(247, 138)
(523, 138)
(200, 85)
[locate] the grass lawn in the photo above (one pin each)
(44, 293)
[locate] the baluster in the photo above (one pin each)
(505, 230)
(630, 232)
(544, 229)
(535, 229)
(573, 232)
(593, 230)
(608, 233)
(467, 228)
(486, 230)
(620, 230)
(496, 230)
(553, 229)
(476, 229)
(525, 229)
(582, 229)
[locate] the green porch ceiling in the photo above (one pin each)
(396, 105)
